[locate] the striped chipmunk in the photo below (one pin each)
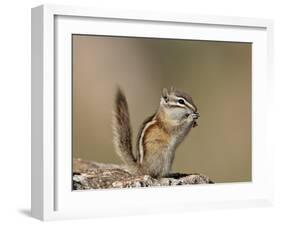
(159, 135)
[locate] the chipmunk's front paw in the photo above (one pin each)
(192, 118)
(195, 115)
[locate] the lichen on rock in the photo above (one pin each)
(93, 175)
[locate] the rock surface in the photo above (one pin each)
(93, 175)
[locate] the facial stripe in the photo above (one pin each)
(190, 106)
(186, 103)
(177, 105)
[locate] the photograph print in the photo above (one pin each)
(160, 112)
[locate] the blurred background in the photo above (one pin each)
(216, 74)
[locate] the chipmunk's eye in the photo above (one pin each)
(165, 98)
(181, 101)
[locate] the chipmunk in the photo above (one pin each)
(159, 135)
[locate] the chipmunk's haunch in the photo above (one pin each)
(158, 136)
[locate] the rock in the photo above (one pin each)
(93, 175)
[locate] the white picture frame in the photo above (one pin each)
(52, 197)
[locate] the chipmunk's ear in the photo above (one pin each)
(165, 92)
(172, 89)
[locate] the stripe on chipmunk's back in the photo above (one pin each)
(153, 135)
(140, 152)
(140, 144)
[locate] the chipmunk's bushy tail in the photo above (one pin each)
(122, 130)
